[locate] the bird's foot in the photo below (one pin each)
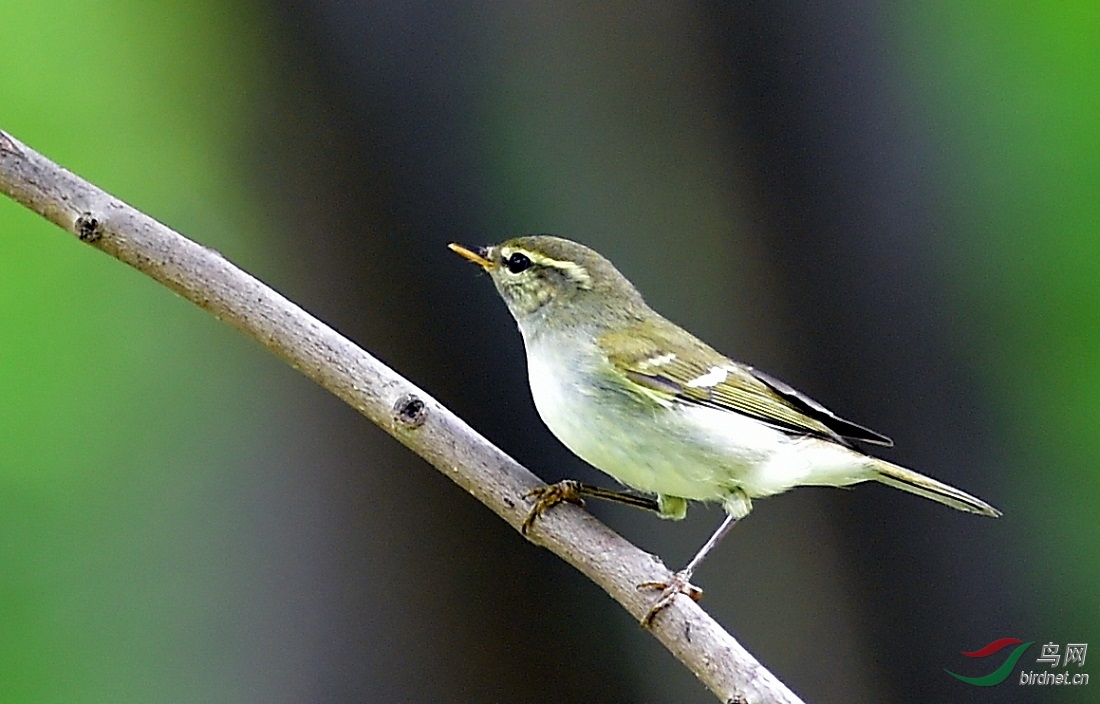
(679, 584)
(547, 497)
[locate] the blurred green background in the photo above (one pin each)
(893, 208)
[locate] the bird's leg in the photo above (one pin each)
(681, 581)
(546, 497)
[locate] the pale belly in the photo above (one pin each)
(692, 452)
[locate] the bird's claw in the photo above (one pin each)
(547, 497)
(679, 584)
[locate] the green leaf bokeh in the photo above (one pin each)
(126, 413)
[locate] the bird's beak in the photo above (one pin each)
(478, 257)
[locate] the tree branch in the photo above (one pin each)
(418, 421)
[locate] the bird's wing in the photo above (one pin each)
(660, 360)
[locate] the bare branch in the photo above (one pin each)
(421, 423)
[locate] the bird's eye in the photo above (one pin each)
(517, 263)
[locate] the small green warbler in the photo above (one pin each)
(663, 412)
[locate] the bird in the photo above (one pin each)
(664, 413)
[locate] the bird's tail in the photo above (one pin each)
(929, 488)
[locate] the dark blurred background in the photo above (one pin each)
(892, 207)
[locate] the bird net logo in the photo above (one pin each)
(1051, 656)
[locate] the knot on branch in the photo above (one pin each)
(410, 412)
(7, 144)
(87, 228)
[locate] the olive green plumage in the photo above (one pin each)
(661, 411)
